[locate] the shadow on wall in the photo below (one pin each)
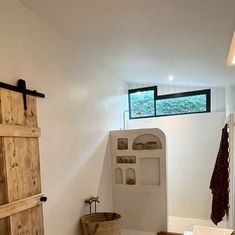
(100, 185)
(78, 184)
(105, 186)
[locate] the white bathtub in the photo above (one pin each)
(188, 233)
(202, 230)
(197, 230)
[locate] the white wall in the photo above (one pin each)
(83, 102)
(230, 98)
(192, 146)
(230, 108)
(105, 191)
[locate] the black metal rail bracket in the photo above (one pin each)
(21, 87)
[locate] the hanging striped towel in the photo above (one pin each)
(220, 181)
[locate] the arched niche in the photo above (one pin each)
(147, 141)
(118, 176)
(130, 176)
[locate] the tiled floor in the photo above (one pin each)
(133, 232)
(169, 234)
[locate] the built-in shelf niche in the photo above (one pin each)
(147, 142)
(118, 176)
(122, 143)
(130, 176)
(126, 159)
(149, 171)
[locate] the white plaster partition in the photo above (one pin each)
(142, 201)
(192, 147)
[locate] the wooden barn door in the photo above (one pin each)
(20, 184)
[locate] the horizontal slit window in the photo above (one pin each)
(145, 102)
(142, 102)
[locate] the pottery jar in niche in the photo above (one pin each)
(131, 181)
(120, 159)
(122, 143)
(151, 145)
(138, 146)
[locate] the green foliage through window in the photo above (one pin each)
(144, 102)
(181, 105)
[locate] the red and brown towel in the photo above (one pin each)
(220, 180)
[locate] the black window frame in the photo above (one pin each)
(206, 92)
(142, 89)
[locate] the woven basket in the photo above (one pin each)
(101, 224)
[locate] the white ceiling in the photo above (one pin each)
(146, 40)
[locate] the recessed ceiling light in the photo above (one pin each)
(233, 62)
(231, 55)
(171, 78)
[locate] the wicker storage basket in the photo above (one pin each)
(101, 224)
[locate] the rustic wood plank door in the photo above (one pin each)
(20, 180)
